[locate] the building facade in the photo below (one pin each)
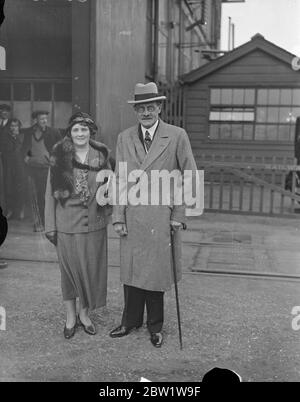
(178, 32)
(244, 103)
(37, 42)
(68, 55)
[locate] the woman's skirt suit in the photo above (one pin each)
(81, 227)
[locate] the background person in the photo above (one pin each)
(37, 146)
(13, 167)
(76, 223)
(5, 114)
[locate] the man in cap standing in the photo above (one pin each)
(37, 147)
(145, 230)
(5, 111)
(5, 114)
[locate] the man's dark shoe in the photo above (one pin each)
(156, 339)
(120, 331)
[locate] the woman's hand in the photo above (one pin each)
(120, 229)
(52, 237)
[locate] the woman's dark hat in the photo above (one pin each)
(144, 93)
(82, 118)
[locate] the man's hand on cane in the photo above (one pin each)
(177, 226)
(52, 237)
(120, 229)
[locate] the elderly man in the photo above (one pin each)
(37, 147)
(148, 232)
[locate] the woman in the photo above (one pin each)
(76, 223)
(13, 167)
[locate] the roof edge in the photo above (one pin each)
(257, 41)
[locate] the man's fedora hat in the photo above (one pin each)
(146, 93)
(37, 113)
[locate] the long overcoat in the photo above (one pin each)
(146, 252)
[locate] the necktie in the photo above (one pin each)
(147, 140)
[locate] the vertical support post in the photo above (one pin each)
(31, 99)
(233, 36)
(81, 55)
(156, 39)
(53, 104)
(180, 37)
(93, 52)
(170, 67)
(293, 190)
(229, 33)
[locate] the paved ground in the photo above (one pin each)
(232, 321)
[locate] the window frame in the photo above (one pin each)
(254, 123)
(32, 82)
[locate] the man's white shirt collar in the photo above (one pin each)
(150, 130)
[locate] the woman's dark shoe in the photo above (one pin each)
(69, 332)
(89, 329)
(120, 331)
(156, 339)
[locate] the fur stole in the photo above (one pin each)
(63, 162)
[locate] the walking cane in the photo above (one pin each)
(176, 287)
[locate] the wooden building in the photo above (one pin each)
(244, 103)
(68, 55)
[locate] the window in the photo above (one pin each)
(42, 92)
(24, 97)
(253, 114)
(21, 92)
(232, 113)
(276, 113)
(4, 92)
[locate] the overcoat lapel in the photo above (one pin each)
(139, 152)
(160, 142)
